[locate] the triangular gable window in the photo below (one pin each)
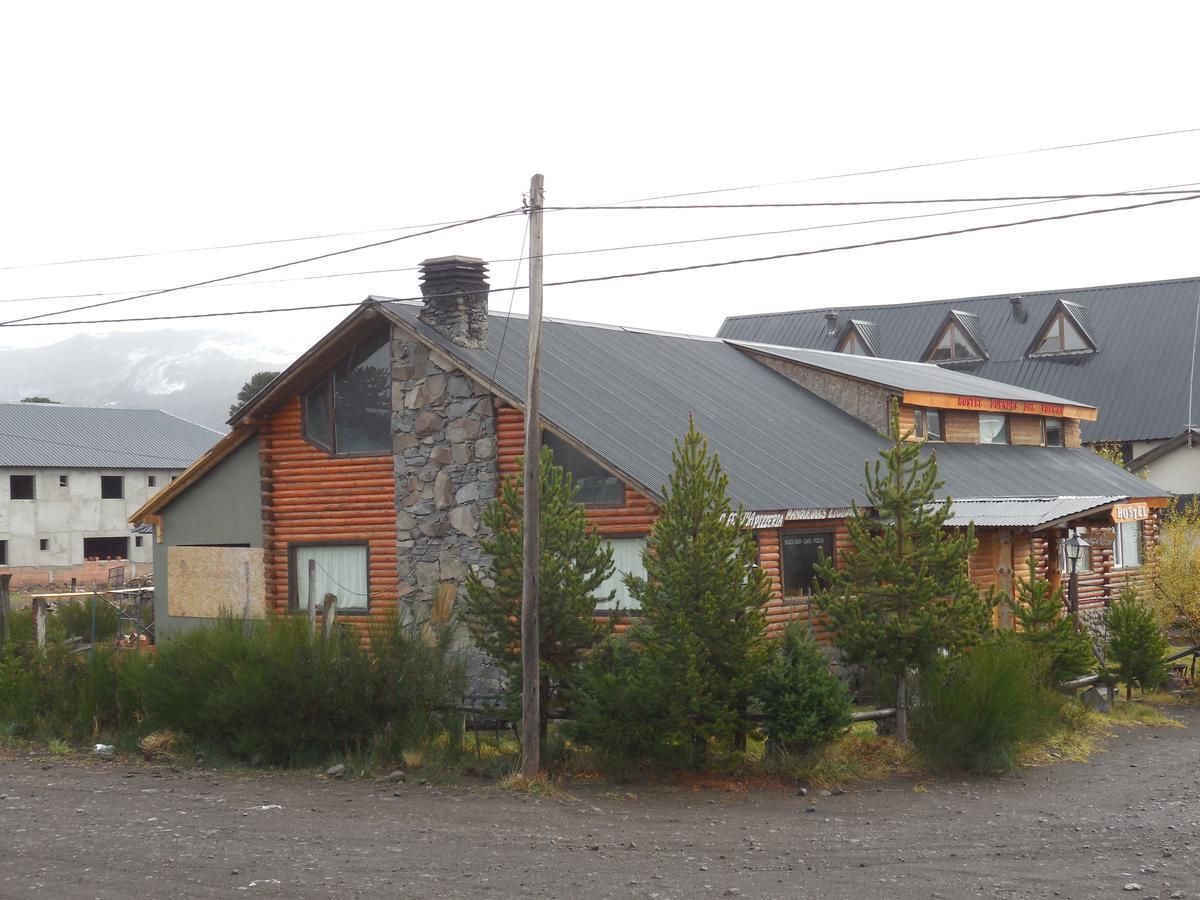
(1061, 335)
(953, 345)
(857, 339)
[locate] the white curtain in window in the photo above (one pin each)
(1128, 545)
(992, 429)
(627, 559)
(341, 570)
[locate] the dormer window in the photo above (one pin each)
(858, 339)
(953, 345)
(958, 341)
(1066, 331)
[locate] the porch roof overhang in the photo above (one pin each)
(1035, 513)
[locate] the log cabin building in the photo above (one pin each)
(374, 454)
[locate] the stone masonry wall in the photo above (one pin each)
(444, 436)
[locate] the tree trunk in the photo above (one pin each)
(544, 711)
(902, 708)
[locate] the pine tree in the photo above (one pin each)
(1039, 612)
(1136, 643)
(703, 602)
(804, 704)
(575, 561)
(903, 593)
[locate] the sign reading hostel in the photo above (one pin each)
(1130, 512)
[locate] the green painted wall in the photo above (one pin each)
(223, 507)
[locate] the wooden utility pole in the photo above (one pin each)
(530, 675)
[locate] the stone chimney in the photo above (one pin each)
(1018, 308)
(455, 289)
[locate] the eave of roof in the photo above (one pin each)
(156, 504)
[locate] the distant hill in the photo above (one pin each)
(193, 374)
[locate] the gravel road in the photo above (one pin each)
(112, 830)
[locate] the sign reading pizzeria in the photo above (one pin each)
(1130, 512)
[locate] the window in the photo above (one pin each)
(1085, 558)
(1062, 337)
(112, 487)
(63, 480)
(350, 412)
(137, 540)
(801, 550)
(1127, 548)
(106, 548)
(853, 344)
(596, 486)
(151, 481)
(173, 477)
(3, 553)
(953, 345)
(341, 571)
(627, 560)
(927, 424)
(1052, 432)
(44, 544)
(21, 487)
(993, 428)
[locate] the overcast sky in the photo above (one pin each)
(137, 128)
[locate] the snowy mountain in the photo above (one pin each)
(192, 374)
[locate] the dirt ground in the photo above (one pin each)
(114, 830)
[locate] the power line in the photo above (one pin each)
(828, 203)
(272, 268)
(673, 243)
(911, 166)
(640, 274)
(260, 243)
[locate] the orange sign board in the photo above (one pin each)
(995, 404)
(1131, 512)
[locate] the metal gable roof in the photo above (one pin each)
(1024, 512)
(904, 375)
(1137, 379)
(51, 435)
(627, 396)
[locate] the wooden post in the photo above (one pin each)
(39, 622)
(5, 611)
(328, 614)
(312, 596)
(246, 601)
(530, 680)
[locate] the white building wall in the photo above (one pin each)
(1178, 471)
(64, 516)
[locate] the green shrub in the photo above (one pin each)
(1137, 646)
(76, 621)
(1039, 611)
(274, 694)
(620, 709)
(804, 705)
(977, 709)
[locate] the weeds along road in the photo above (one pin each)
(127, 831)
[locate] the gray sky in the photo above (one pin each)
(132, 128)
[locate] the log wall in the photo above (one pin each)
(309, 496)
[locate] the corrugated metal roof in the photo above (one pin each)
(904, 375)
(36, 435)
(1138, 378)
(628, 394)
(1026, 512)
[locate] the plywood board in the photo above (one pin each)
(209, 582)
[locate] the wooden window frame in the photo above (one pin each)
(964, 339)
(921, 425)
(1058, 328)
(625, 612)
(327, 383)
(294, 605)
(786, 532)
(1062, 431)
(1007, 430)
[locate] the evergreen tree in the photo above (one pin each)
(903, 593)
(257, 382)
(1136, 643)
(804, 704)
(703, 602)
(575, 561)
(1039, 612)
